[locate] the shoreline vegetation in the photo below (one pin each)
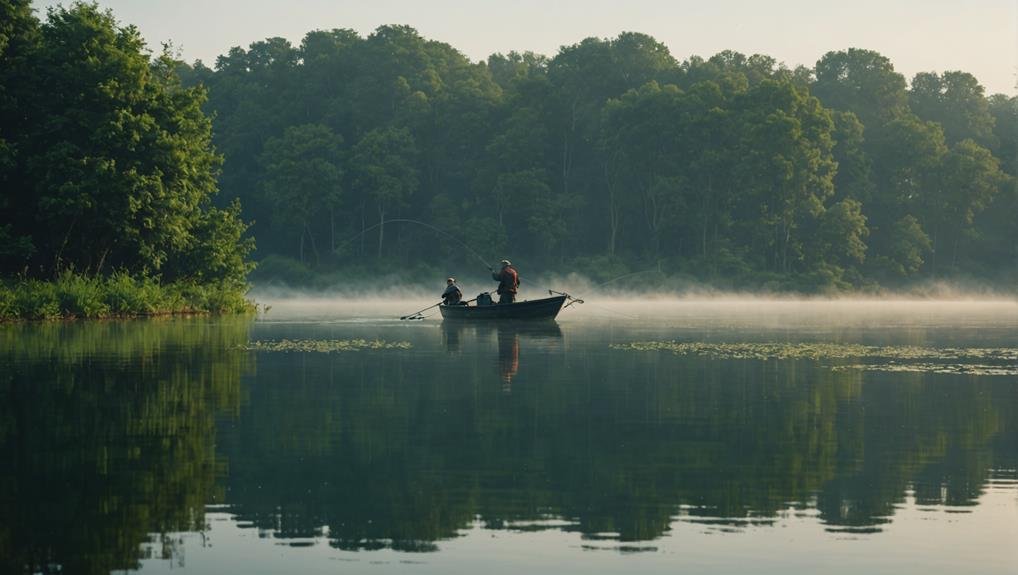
(120, 295)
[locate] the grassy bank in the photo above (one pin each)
(119, 295)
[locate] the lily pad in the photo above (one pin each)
(905, 358)
(324, 345)
(819, 351)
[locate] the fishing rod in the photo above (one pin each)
(425, 224)
(417, 315)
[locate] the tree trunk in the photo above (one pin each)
(652, 214)
(614, 215)
(363, 228)
(705, 208)
(381, 230)
(786, 236)
(566, 155)
(314, 246)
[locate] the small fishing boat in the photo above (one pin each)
(545, 308)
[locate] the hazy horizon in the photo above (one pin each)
(979, 37)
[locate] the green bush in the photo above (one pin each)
(36, 300)
(126, 295)
(119, 295)
(8, 305)
(81, 296)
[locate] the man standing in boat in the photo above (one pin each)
(508, 282)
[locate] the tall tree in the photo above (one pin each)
(956, 101)
(303, 178)
(970, 178)
(862, 82)
(1005, 131)
(115, 166)
(787, 168)
(382, 167)
(19, 40)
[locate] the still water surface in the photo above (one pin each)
(171, 446)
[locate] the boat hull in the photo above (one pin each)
(546, 308)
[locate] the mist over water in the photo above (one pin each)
(703, 309)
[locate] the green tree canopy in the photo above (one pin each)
(303, 178)
(115, 167)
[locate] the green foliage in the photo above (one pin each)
(80, 296)
(955, 100)
(33, 300)
(303, 178)
(132, 296)
(109, 163)
(732, 169)
(74, 295)
(862, 82)
(906, 249)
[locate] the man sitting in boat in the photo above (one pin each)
(508, 282)
(452, 294)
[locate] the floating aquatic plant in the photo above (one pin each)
(818, 351)
(324, 345)
(884, 358)
(950, 368)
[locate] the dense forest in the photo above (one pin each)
(612, 157)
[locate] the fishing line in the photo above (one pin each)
(578, 300)
(425, 224)
(613, 280)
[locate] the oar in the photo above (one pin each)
(416, 315)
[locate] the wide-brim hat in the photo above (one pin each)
(506, 263)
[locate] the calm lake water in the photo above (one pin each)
(196, 446)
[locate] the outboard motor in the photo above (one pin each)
(484, 299)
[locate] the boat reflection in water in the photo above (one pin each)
(508, 336)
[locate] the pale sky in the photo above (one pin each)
(975, 36)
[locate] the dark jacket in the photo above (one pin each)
(508, 280)
(452, 295)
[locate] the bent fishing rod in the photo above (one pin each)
(420, 223)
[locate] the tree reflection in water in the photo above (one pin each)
(107, 434)
(113, 431)
(403, 451)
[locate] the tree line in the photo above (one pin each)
(607, 158)
(613, 156)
